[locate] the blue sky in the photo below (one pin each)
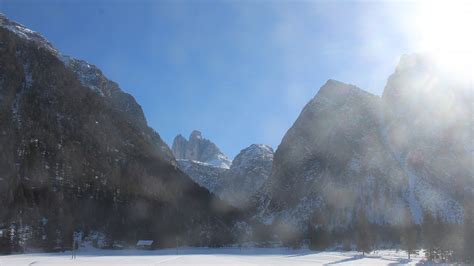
(239, 71)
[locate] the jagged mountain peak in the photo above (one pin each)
(199, 149)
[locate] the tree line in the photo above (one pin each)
(440, 241)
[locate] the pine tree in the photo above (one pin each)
(319, 236)
(409, 239)
(364, 236)
(4, 241)
(13, 237)
(439, 239)
(443, 244)
(468, 252)
(429, 235)
(408, 235)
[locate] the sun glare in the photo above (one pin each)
(446, 30)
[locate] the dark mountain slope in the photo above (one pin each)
(76, 158)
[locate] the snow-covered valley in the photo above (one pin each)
(212, 256)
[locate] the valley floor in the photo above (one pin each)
(208, 256)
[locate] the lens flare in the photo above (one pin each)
(445, 30)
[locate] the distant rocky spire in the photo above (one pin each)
(199, 149)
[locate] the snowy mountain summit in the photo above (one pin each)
(199, 149)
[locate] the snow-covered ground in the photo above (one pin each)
(204, 256)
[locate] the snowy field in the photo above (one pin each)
(204, 256)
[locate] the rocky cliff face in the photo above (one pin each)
(77, 155)
(394, 158)
(332, 161)
(91, 77)
(199, 149)
(428, 127)
(236, 185)
(206, 175)
(249, 171)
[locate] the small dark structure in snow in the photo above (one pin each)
(144, 244)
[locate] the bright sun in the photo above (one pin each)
(446, 28)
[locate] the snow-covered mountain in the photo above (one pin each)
(237, 184)
(394, 158)
(428, 128)
(331, 163)
(199, 149)
(249, 171)
(206, 175)
(76, 155)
